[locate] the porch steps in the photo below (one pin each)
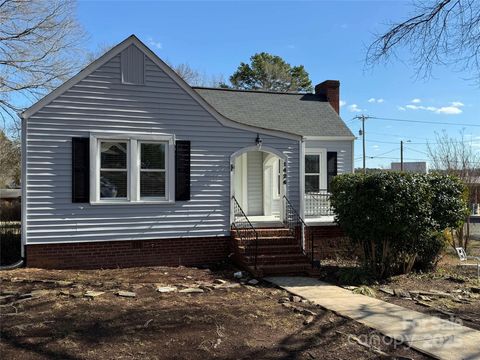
(279, 253)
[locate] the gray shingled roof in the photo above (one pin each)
(301, 114)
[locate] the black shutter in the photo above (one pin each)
(331, 167)
(80, 170)
(182, 170)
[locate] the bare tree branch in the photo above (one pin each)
(39, 49)
(441, 32)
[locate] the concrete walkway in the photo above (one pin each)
(431, 335)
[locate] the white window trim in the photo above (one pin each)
(133, 167)
(322, 166)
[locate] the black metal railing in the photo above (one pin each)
(318, 204)
(245, 231)
(299, 229)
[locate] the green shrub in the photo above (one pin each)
(396, 217)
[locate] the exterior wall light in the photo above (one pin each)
(258, 141)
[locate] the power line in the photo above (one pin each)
(424, 122)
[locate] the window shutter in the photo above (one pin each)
(80, 170)
(182, 170)
(331, 167)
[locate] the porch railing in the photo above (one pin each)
(318, 204)
(299, 229)
(245, 231)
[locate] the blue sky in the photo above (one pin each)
(328, 37)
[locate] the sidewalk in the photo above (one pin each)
(431, 335)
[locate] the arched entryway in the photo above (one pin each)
(258, 183)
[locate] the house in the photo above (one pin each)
(127, 165)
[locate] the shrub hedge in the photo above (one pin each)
(398, 218)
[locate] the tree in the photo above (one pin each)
(457, 156)
(9, 162)
(194, 77)
(39, 49)
(270, 72)
(440, 32)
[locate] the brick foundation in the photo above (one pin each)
(113, 254)
(331, 243)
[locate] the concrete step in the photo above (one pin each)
(288, 269)
(268, 241)
(288, 259)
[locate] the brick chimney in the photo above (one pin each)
(330, 89)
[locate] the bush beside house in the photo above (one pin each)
(398, 219)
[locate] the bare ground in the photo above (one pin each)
(225, 322)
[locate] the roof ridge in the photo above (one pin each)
(250, 91)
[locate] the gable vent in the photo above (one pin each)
(133, 66)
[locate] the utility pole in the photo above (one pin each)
(362, 133)
(401, 155)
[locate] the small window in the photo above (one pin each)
(152, 170)
(312, 173)
(113, 170)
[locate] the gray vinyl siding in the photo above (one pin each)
(255, 183)
(343, 149)
(102, 103)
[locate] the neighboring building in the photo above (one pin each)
(420, 167)
(125, 165)
(10, 195)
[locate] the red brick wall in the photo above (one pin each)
(331, 243)
(112, 254)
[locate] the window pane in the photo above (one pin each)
(312, 164)
(153, 156)
(152, 184)
(312, 183)
(113, 184)
(113, 155)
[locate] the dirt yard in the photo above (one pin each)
(47, 315)
(452, 292)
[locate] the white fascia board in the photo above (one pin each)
(133, 40)
(329, 138)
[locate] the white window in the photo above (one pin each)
(113, 170)
(136, 169)
(315, 171)
(153, 158)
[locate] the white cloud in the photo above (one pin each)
(416, 101)
(452, 109)
(449, 110)
(378, 101)
(343, 103)
(154, 43)
(354, 108)
(376, 146)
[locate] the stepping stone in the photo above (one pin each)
(93, 294)
(387, 290)
(191, 291)
(126, 294)
(166, 289)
